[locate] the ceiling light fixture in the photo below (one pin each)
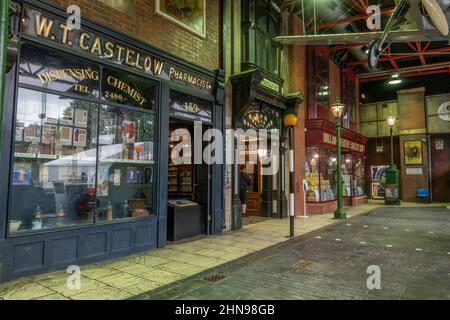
(395, 79)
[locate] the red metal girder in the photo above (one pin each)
(404, 56)
(406, 75)
(364, 16)
(392, 61)
(419, 49)
(412, 46)
(426, 46)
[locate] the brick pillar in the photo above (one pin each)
(412, 128)
(297, 82)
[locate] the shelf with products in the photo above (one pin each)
(181, 176)
(358, 177)
(347, 174)
(320, 170)
(76, 169)
(181, 180)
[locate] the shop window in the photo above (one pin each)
(319, 96)
(54, 168)
(79, 161)
(126, 164)
(48, 69)
(358, 178)
(348, 98)
(261, 23)
(320, 168)
(321, 174)
(347, 174)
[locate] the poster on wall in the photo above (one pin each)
(32, 133)
(22, 174)
(79, 137)
(132, 175)
(190, 14)
(103, 182)
(378, 191)
(378, 178)
(129, 131)
(81, 118)
(413, 152)
(65, 135)
(48, 133)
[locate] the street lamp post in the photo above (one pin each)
(337, 109)
(391, 120)
(290, 120)
(392, 194)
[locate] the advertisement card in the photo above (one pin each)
(79, 137)
(22, 174)
(81, 118)
(48, 133)
(65, 134)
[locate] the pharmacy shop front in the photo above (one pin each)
(85, 155)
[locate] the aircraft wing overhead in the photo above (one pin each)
(364, 37)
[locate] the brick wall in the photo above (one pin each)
(297, 82)
(148, 27)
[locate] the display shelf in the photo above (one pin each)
(181, 181)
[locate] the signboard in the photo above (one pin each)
(44, 26)
(190, 107)
(414, 171)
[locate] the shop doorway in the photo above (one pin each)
(189, 188)
(261, 191)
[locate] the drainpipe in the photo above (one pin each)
(4, 14)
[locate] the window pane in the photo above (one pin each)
(53, 174)
(273, 58)
(322, 86)
(126, 164)
(261, 47)
(57, 71)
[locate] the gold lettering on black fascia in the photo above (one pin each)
(44, 26)
(77, 74)
(126, 88)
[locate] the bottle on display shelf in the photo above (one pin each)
(37, 221)
(109, 211)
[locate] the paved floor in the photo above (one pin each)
(411, 246)
(160, 270)
(134, 275)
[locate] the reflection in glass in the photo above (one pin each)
(53, 174)
(358, 178)
(347, 174)
(53, 70)
(126, 164)
(320, 173)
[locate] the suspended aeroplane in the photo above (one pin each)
(423, 14)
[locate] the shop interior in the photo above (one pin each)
(188, 184)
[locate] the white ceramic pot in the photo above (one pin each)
(14, 225)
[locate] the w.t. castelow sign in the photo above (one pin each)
(40, 25)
